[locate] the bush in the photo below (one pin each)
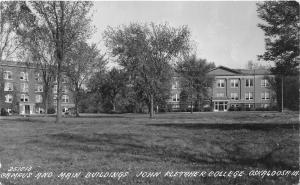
(51, 110)
(4, 112)
(207, 109)
(234, 109)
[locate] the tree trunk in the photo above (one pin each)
(76, 108)
(114, 106)
(58, 105)
(46, 102)
(151, 106)
(191, 106)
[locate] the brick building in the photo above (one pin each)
(241, 88)
(236, 88)
(22, 89)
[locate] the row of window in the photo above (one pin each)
(234, 83)
(251, 105)
(38, 98)
(24, 76)
(8, 86)
(64, 89)
(248, 96)
(65, 98)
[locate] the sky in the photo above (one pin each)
(223, 32)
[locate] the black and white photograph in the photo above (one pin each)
(149, 92)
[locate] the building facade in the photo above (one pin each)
(244, 89)
(22, 90)
(232, 89)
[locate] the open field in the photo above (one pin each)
(132, 142)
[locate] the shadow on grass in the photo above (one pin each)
(225, 126)
(22, 120)
(120, 144)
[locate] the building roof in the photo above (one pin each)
(221, 70)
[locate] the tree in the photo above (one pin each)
(65, 23)
(110, 86)
(194, 79)
(255, 65)
(281, 26)
(40, 51)
(81, 62)
(146, 51)
(8, 40)
(281, 29)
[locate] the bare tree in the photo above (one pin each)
(66, 23)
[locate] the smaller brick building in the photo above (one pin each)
(235, 88)
(241, 88)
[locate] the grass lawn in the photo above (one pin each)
(133, 143)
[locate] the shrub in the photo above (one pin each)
(51, 110)
(4, 112)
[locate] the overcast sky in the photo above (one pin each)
(224, 32)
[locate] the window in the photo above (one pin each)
(38, 77)
(9, 110)
(65, 99)
(38, 88)
(54, 89)
(24, 76)
(220, 95)
(249, 96)
(175, 97)
(266, 105)
(234, 96)
(175, 85)
(64, 79)
(264, 83)
(176, 106)
(265, 95)
(55, 98)
(65, 89)
(38, 98)
(8, 98)
(249, 82)
(234, 83)
(24, 87)
(7, 75)
(8, 86)
(24, 98)
(221, 83)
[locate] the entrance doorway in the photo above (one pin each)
(27, 109)
(220, 106)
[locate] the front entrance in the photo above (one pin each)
(220, 106)
(27, 109)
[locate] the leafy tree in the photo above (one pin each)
(281, 26)
(255, 65)
(110, 86)
(65, 23)
(194, 79)
(81, 62)
(146, 51)
(281, 29)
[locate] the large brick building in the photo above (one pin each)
(235, 88)
(22, 89)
